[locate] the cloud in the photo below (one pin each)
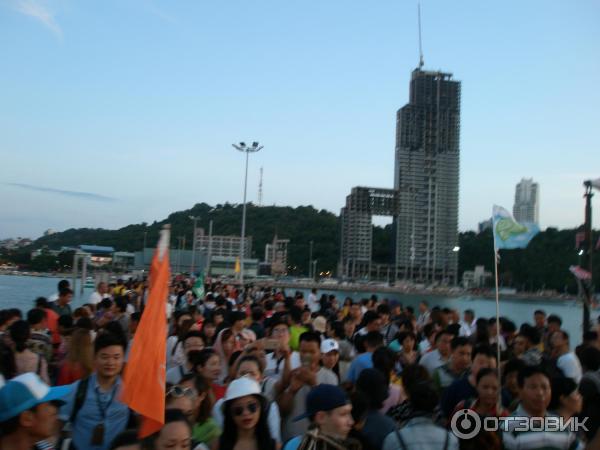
(40, 12)
(82, 195)
(154, 10)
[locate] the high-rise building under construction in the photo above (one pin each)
(426, 176)
(424, 201)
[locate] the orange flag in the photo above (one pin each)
(144, 377)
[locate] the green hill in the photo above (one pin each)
(542, 265)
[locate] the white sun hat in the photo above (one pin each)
(241, 387)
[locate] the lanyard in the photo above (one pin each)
(103, 409)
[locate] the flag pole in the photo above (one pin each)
(497, 320)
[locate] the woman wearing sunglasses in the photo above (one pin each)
(244, 410)
(205, 430)
(182, 398)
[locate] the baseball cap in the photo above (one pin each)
(26, 391)
(323, 397)
(329, 345)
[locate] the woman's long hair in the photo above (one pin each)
(229, 436)
(223, 335)
(20, 331)
(81, 351)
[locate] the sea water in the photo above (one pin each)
(21, 292)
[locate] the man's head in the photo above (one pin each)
(560, 341)
(530, 335)
(64, 296)
(328, 407)
(383, 310)
(539, 318)
(330, 353)
(373, 340)
(483, 357)
(109, 352)
(590, 359)
(193, 341)
(554, 323)
(461, 353)
(356, 312)
(372, 321)
(310, 349)
(469, 316)
(510, 375)
(29, 408)
(423, 306)
(374, 385)
(63, 284)
(535, 390)
(238, 321)
(37, 318)
(443, 342)
(102, 288)
(280, 331)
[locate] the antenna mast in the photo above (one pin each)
(260, 188)
(421, 62)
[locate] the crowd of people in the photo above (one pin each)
(260, 369)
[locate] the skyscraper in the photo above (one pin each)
(527, 201)
(426, 177)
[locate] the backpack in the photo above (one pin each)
(80, 395)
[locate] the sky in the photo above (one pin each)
(123, 111)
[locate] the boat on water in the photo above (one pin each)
(89, 282)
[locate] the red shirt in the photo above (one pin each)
(69, 373)
(218, 391)
(52, 321)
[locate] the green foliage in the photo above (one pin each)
(543, 264)
(300, 225)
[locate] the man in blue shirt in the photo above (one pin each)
(372, 341)
(94, 411)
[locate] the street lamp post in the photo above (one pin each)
(242, 147)
(588, 252)
(310, 272)
(195, 219)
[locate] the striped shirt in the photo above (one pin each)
(538, 440)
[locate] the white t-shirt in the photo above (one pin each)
(175, 353)
(274, 366)
(313, 303)
(175, 374)
(96, 297)
(570, 366)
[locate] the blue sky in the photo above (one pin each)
(126, 110)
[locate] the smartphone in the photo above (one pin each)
(271, 344)
(306, 360)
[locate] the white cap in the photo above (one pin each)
(242, 387)
(329, 345)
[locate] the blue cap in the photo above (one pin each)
(26, 391)
(323, 397)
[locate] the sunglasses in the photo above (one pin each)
(250, 407)
(180, 391)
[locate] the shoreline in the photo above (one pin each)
(454, 292)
